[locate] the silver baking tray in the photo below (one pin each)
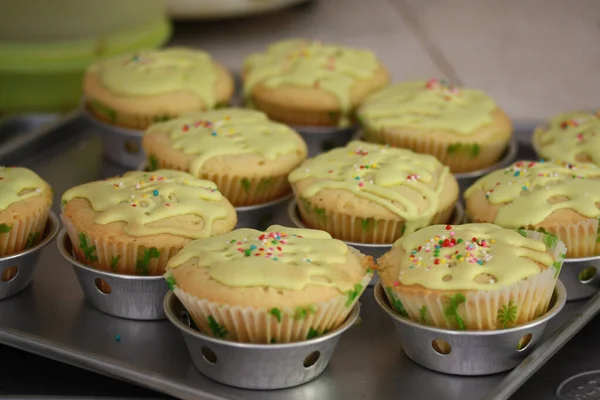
(52, 319)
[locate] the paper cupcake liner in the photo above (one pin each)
(24, 232)
(483, 309)
(239, 190)
(356, 229)
(459, 157)
(125, 258)
(294, 116)
(582, 238)
(275, 325)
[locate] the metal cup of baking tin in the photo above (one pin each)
(122, 146)
(261, 216)
(370, 249)
(256, 366)
(470, 353)
(320, 139)
(125, 296)
(466, 179)
(24, 263)
(581, 277)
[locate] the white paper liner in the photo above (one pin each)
(250, 325)
(500, 308)
(128, 254)
(25, 232)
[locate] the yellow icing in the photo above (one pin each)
(155, 72)
(141, 199)
(280, 257)
(432, 104)
(570, 135)
(530, 191)
(378, 173)
(18, 184)
(228, 132)
(311, 63)
(504, 255)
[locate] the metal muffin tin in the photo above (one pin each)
(260, 216)
(581, 277)
(125, 296)
(466, 179)
(256, 366)
(25, 262)
(320, 139)
(371, 249)
(470, 353)
(121, 145)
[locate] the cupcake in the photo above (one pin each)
(277, 286)
(554, 197)
(463, 128)
(369, 193)
(25, 201)
(247, 155)
(135, 223)
(309, 83)
(471, 277)
(135, 90)
(572, 137)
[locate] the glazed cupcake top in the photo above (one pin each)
(432, 104)
(18, 184)
(310, 63)
(470, 257)
(527, 192)
(381, 174)
(154, 72)
(143, 200)
(228, 132)
(280, 257)
(571, 137)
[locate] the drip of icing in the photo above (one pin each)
(469, 257)
(433, 104)
(140, 199)
(280, 257)
(527, 191)
(156, 72)
(378, 173)
(18, 184)
(228, 132)
(310, 63)
(569, 135)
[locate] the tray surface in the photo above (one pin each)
(51, 319)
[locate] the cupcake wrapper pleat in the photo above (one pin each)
(250, 325)
(500, 308)
(122, 258)
(24, 233)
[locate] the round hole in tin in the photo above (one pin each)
(441, 347)
(102, 286)
(311, 359)
(132, 147)
(208, 355)
(9, 274)
(587, 274)
(524, 342)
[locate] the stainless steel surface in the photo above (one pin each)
(59, 324)
(25, 262)
(581, 277)
(256, 366)
(125, 296)
(470, 352)
(261, 216)
(122, 146)
(466, 179)
(370, 249)
(320, 139)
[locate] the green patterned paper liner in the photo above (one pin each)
(499, 308)
(268, 325)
